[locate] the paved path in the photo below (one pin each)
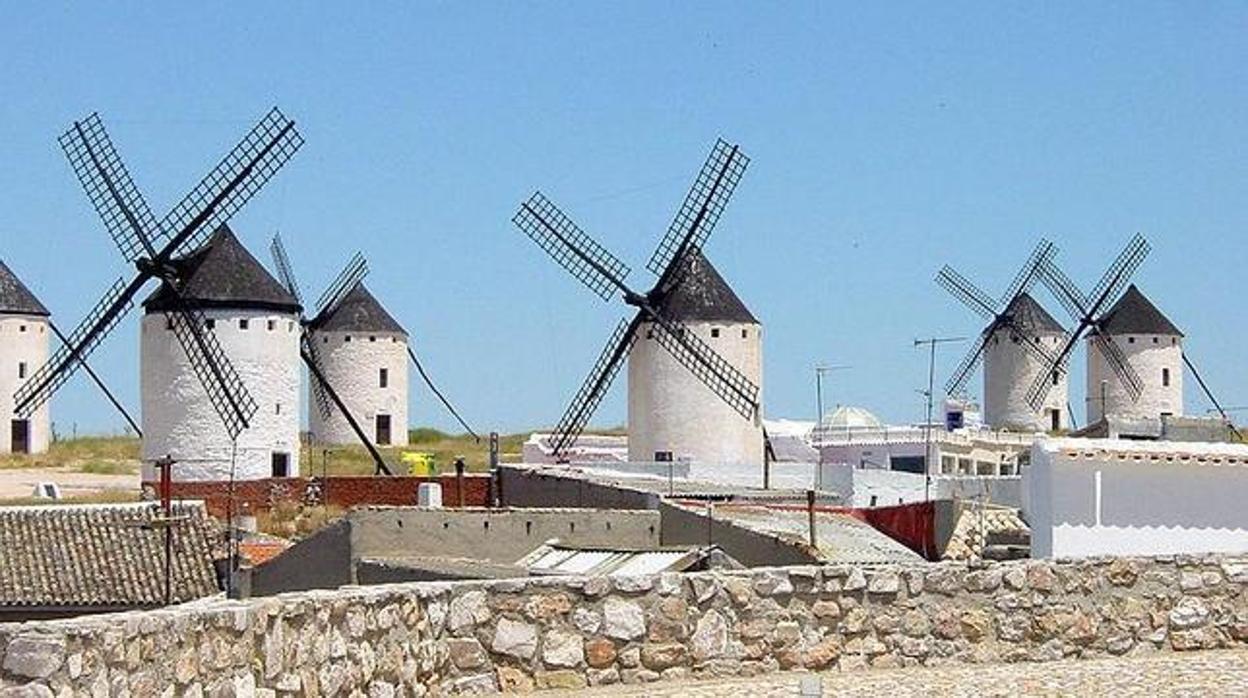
(1213, 673)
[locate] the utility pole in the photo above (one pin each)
(931, 343)
(819, 371)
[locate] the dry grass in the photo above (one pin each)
(111, 455)
(293, 520)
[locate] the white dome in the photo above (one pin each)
(848, 417)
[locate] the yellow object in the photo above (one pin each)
(419, 463)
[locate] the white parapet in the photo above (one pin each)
(1085, 497)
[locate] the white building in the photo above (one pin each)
(671, 414)
(1010, 369)
(363, 353)
(256, 322)
(23, 349)
(869, 463)
(1153, 346)
(1085, 497)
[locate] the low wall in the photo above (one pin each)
(444, 638)
(346, 492)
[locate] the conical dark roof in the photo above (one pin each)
(1030, 316)
(1135, 314)
(223, 274)
(359, 311)
(15, 298)
(703, 295)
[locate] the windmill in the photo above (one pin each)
(1017, 345)
(154, 247)
(677, 254)
(1088, 310)
(325, 396)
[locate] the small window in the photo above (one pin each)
(1130, 340)
(243, 323)
(383, 378)
(21, 328)
(1156, 340)
(272, 325)
(21, 369)
(277, 408)
(745, 334)
(1165, 377)
(210, 323)
(290, 325)
(168, 323)
(372, 338)
(347, 338)
(324, 340)
(663, 456)
(649, 334)
(1174, 340)
(714, 332)
(1055, 378)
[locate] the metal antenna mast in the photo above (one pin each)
(821, 369)
(931, 343)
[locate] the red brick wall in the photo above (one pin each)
(260, 495)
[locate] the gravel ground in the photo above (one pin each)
(20, 482)
(1213, 673)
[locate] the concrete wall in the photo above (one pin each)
(857, 486)
(496, 535)
(179, 420)
(353, 368)
(669, 409)
(689, 525)
(1149, 355)
(568, 632)
(1103, 497)
(23, 339)
(322, 561)
(1009, 372)
(522, 487)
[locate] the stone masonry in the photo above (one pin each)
(519, 635)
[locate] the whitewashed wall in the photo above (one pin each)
(669, 409)
(868, 487)
(1009, 372)
(179, 420)
(353, 368)
(17, 346)
(1087, 497)
(1149, 354)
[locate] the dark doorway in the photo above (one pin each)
(281, 464)
(1055, 419)
(20, 436)
(383, 430)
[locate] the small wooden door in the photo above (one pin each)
(383, 430)
(281, 464)
(20, 436)
(1055, 419)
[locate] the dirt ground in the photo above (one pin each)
(19, 483)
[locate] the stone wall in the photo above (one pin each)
(443, 638)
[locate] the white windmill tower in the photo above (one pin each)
(671, 414)
(362, 351)
(1015, 347)
(24, 330)
(692, 325)
(1153, 349)
(256, 322)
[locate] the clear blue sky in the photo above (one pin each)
(885, 142)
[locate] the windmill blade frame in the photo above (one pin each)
(1032, 270)
(699, 212)
(110, 188)
(707, 365)
(1127, 376)
(352, 273)
(286, 273)
(220, 380)
(968, 293)
(572, 248)
(589, 396)
(969, 363)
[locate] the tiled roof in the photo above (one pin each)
(15, 298)
(223, 274)
(704, 296)
(105, 555)
(358, 311)
(840, 538)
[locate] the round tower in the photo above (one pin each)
(1153, 346)
(671, 414)
(256, 322)
(363, 354)
(1011, 367)
(24, 334)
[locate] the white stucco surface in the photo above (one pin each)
(1087, 497)
(179, 420)
(1009, 372)
(1149, 355)
(669, 409)
(353, 368)
(17, 346)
